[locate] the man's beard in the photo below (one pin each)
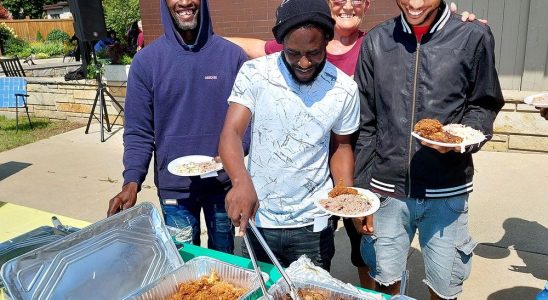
(191, 25)
(317, 72)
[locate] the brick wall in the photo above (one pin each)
(250, 18)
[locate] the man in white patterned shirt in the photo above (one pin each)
(297, 103)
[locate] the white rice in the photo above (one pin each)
(347, 204)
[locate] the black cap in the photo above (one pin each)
(292, 13)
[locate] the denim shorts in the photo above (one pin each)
(183, 212)
(445, 241)
(288, 244)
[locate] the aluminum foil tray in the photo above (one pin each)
(194, 269)
(29, 241)
(106, 260)
(280, 288)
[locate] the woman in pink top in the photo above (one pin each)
(140, 36)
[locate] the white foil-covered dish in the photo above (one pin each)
(305, 275)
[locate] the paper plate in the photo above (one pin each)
(176, 166)
(537, 100)
(375, 204)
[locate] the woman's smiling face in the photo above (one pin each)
(348, 14)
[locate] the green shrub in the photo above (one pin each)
(39, 37)
(67, 48)
(93, 70)
(17, 46)
(126, 60)
(57, 35)
(49, 48)
(6, 32)
(119, 14)
(41, 55)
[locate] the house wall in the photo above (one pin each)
(64, 13)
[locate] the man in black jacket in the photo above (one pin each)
(423, 64)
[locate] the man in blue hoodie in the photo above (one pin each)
(175, 106)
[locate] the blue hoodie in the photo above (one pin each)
(176, 104)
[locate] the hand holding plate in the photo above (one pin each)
(364, 225)
(544, 113)
(441, 149)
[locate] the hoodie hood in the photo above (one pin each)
(205, 28)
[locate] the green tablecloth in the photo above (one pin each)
(190, 251)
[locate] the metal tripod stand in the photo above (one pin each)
(100, 97)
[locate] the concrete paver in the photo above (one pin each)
(75, 175)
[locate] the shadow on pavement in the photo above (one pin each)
(528, 239)
(11, 167)
(517, 292)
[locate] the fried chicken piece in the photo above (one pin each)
(444, 137)
(433, 130)
(341, 189)
(208, 288)
(426, 127)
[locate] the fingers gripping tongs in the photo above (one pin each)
(292, 290)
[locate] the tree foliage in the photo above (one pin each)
(20, 9)
(119, 14)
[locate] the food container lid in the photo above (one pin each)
(106, 260)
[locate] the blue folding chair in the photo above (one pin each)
(13, 94)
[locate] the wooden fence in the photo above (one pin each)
(28, 29)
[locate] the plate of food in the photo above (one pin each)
(194, 165)
(349, 202)
(451, 135)
(537, 100)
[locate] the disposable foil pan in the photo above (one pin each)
(29, 241)
(198, 267)
(280, 289)
(106, 260)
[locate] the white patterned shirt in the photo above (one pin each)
(291, 126)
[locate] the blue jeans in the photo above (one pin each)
(220, 230)
(444, 239)
(288, 244)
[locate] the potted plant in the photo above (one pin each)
(118, 58)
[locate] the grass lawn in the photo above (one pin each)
(42, 129)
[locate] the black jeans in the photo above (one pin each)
(288, 244)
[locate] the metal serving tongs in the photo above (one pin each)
(266, 295)
(292, 290)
